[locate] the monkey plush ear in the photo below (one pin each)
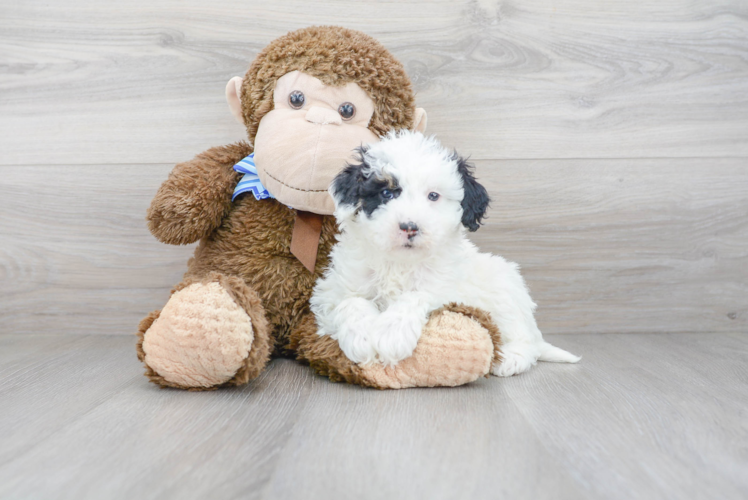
(420, 120)
(233, 97)
(475, 200)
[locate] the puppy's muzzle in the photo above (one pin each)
(410, 229)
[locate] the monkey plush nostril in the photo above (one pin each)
(323, 116)
(409, 228)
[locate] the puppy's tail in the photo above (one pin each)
(553, 353)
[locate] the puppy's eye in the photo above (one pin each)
(296, 99)
(433, 196)
(347, 110)
(387, 194)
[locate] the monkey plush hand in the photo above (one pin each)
(265, 227)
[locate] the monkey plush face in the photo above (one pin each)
(309, 99)
(302, 144)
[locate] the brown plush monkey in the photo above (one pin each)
(308, 99)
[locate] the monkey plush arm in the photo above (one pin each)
(191, 203)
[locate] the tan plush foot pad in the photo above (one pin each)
(200, 339)
(457, 346)
(453, 350)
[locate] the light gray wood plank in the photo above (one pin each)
(642, 416)
(65, 376)
(470, 443)
(623, 245)
(606, 246)
(76, 255)
(16, 349)
(138, 82)
(144, 442)
(645, 416)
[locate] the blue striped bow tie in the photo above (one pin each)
(250, 181)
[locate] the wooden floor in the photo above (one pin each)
(642, 416)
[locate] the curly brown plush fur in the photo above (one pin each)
(196, 197)
(247, 240)
(253, 244)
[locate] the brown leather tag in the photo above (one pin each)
(305, 238)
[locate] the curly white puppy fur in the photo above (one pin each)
(403, 252)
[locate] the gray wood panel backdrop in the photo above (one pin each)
(612, 135)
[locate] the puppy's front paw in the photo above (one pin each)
(397, 337)
(516, 359)
(358, 346)
(352, 321)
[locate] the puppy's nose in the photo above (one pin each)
(323, 116)
(409, 228)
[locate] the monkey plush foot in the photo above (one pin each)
(457, 346)
(210, 333)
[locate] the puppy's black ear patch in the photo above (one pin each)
(475, 200)
(347, 185)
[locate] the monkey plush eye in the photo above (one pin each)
(347, 110)
(296, 99)
(433, 196)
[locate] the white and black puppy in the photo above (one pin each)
(402, 252)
